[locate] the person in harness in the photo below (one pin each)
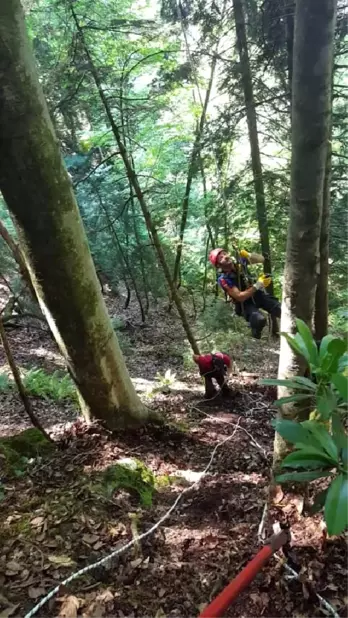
(248, 298)
(214, 366)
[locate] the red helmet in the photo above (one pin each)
(213, 256)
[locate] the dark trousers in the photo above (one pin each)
(251, 313)
(209, 386)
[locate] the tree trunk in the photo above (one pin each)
(311, 113)
(321, 311)
(133, 178)
(261, 211)
(191, 170)
(38, 191)
(19, 258)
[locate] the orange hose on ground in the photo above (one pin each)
(218, 607)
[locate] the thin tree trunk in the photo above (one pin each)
(321, 311)
(141, 261)
(122, 253)
(261, 211)
(311, 108)
(205, 195)
(17, 378)
(52, 236)
(132, 176)
(191, 170)
(18, 256)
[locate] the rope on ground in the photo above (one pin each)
(130, 544)
(325, 603)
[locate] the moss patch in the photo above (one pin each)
(130, 474)
(16, 450)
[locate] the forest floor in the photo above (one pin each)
(52, 523)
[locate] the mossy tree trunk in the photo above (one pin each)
(311, 114)
(38, 191)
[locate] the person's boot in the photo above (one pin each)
(210, 391)
(256, 333)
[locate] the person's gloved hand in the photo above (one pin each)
(244, 254)
(263, 282)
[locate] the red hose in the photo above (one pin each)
(218, 607)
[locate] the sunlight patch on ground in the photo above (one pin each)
(41, 352)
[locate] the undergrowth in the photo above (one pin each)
(37, 382)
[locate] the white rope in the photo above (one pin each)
(130, 544)
(325, 603)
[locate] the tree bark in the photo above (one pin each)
(311, 112)
(247, 84)
(38, 191)
(321, 311)
(133, 178)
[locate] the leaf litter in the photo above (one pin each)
(52, 524)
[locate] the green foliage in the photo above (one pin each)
(17, 451)
(37, 382)
(129, 474)
(320, 443)
(50, 386)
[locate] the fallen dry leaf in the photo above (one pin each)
(90, 538)
(63, 561)
(160, 613)
(135, 563)
(13, 566)
(37, 521)
(35, 593)
(94, 610)
(69, 607)
(98, 545)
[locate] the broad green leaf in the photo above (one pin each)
(318, 502)
(338, 432)
(297, 344)
(343, 364)
(323, 345)
(291, 398)
(298, 382)
(336, 505)
(326, 404)
(291, 431)
(301, 477)
(303, 459)
(341, 383)
(322, 436)
(335, 350)
(309, 342)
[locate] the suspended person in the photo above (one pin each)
(214, 367)
(248, 298)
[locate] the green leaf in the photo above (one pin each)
(326, 404)
(341, 383)
(298, 397)
(336, 505)
(324, 344)
(319, 502)
(338, 432)
(297, 344)
(322, 437)
(291, 431)
(298, 382)
(301, 477)
(304, 459)
(330, 361)
(309, 342)
(343, 363)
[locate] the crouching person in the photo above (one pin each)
(214, 367)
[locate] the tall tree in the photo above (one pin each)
(245, 70)
(311, 112)
(38, 191)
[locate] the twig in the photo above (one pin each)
(121, 550)
(17, 378)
